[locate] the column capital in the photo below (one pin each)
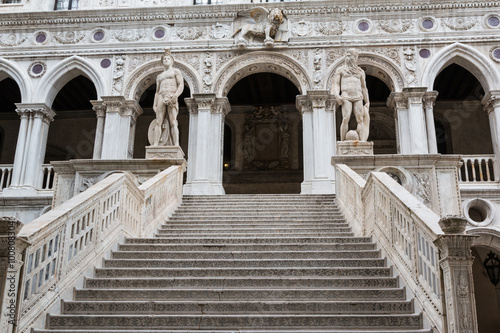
(319, 98)
(132, 109)
(429, 99)
(415, 94)
(118, 104)
(37, 110)
(99, 108)
(207, 102)
(222, 106)
(398, 100)
(490, 100)
(303, 104)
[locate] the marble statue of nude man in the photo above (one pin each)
(169, 86)
(349, 90)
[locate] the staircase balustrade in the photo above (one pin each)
(70, 239)
(477, 169)
(405, 229)
(5, 175)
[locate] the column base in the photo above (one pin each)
(318, 186)
(354, 148)
(203, 188)
(164, 153)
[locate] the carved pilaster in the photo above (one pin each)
(303, 104)
(456, 263)
(491, 100)
(11, 259)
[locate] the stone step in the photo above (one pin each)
(245, 254)
(331, 247)
(220, 307)
(244, 263)
(256, 225)
(240, 282)
(246, 272)
(239, 321)
(258, 208)
(253, 213)
(229, 233)
(255, 219)
(247, 240)
(261, 230)
(288, 330)
(239, 294)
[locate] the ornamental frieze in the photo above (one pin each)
(459, 23)
(69, 37)
(331, 28)
(190, 33)
(129, 35)
(12, 39)
(395, 26)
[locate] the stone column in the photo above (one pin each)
(119, 125)
(456, 263)
(30, 150)
(11, 261)
(429, 100)
(319, 136)
(100, 111)
(491, 102)
(206, 122)
(411, 125)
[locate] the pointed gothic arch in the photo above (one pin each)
(65, 71)
(469, 58)
(12, 70)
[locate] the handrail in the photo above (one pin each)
(70, 239)
(403, 227)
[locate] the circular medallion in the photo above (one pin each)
(105, 63)
(424, 53)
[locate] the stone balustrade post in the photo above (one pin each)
(30, 149)
(456, 263)
(119, 127)
(319, 140)
(205, 152)
(11, 260)
(429, 101)
(491, 102)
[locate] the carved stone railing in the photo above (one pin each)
(405, 229)
(70, 239)
(48, 177)
(5, 175)
(480, 168)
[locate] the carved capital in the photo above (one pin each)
(39, 110)
(205, 101)
(491, 100)
(132, 109)
(429, 99)
(398, 100)
(303, 104)
(319, 98)
(113, 104)
(222, 106)
(191, 105)
(415, 95)
(455, 246)
(99, 108)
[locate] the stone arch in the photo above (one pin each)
(144, 76)
(65, 71)
(375, 65)
(261, 62)
(12, 70)
(487, 237)
(469, 58)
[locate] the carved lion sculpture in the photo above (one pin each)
(266, 26)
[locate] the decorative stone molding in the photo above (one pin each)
(423, 21)
(495, 18)
(302, 28)
(459, 23)
(219, 31)
(203, 102)
(36, 111)
(410, 65)
(69, 37)
(429, 99)
(395, 26)
(118, 73)
(190, 33)
(486, 207)
(398, 100)
(303, 104)
(37, 69)
(222, 106)
(192, 106)
(129, 35)
(415, 94)
(495, 54)
(331, 28)
(13, 39)
(319, 98)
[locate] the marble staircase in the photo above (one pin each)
(244, 263)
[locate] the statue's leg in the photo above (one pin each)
(346, 115)
(160, 116)
(366, 122)
(174, 128)
(358, 113)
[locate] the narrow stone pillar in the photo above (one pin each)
(399, 102)
(205, 153)
(119, 125)
(319, 138)
(491, 102)
(429, 100)
(456, 263)
(100, 111)
(30, 150)
(11, 261)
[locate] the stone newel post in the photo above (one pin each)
(456, 263)
(318, 119)
(205, 153)
(11, 261)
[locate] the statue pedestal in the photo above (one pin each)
(164, 152)
(354, 148)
